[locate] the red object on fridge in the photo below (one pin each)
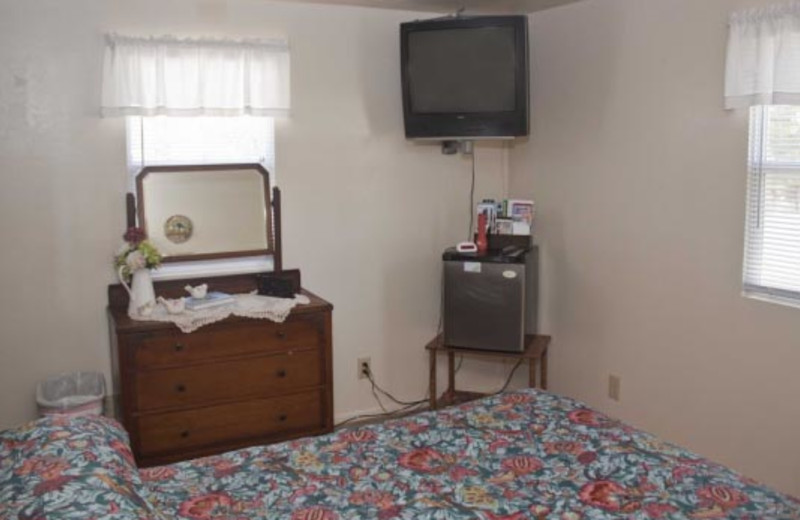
(482, 242)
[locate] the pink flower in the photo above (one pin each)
(156, 474)
(522, 465)
(724, 496)
(587, 457)
(205, 507)
(359, 436)
(588, 417)
(603, 494)
(357, 473)
(424, 459)
(314, 513)
(459, 473)
(517, 398)
(224, 467)
(681, 472)
(573, 448)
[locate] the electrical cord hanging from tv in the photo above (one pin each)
(408, 407)
(470, 236)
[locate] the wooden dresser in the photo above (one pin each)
(235, 383)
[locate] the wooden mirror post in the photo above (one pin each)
(277, 246)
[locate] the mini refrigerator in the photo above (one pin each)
(490, 299)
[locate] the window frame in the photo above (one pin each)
(759, 168)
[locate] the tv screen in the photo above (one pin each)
(465, 77)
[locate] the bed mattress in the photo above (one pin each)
(519, 455)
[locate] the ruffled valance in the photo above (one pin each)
(193, 77)
(763, 63)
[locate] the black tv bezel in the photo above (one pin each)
(466, 125)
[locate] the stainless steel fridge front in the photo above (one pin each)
(484, 305)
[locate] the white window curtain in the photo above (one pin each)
(195, 77)
(763, 62)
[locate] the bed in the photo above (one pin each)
(518, 455)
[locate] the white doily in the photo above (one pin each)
(244, 305)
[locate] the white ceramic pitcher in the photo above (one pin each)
(141, 292)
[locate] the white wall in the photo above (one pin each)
(639, 175)
(367, 214)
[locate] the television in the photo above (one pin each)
(465, 77)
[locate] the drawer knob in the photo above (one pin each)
(184, 434)
(180, 387)
(282, 417)
(281, 334)
(281, 373)
(179, 347)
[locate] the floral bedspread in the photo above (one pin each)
(520, 455)
(70, 468)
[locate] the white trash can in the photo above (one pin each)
(76, 393)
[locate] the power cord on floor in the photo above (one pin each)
(375, 386)
(407, 407)
(400, 412)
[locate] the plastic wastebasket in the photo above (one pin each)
(76, 393)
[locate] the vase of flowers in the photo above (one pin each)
(133, 262)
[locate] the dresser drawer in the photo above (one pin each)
(178, 349)
(179, 431)
(224, 380)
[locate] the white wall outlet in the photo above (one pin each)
(614, 383)
(364, 366)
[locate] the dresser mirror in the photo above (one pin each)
(206, 212)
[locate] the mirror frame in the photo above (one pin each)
(268, 205)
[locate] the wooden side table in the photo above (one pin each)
(535, 352)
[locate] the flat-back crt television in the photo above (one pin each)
(465, 77)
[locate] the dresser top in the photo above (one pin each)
(233, 284)
(125, 325)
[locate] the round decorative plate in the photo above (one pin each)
(178, 229)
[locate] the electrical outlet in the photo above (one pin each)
(364, 367)
(614, 383)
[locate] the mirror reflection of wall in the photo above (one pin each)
(206, 212)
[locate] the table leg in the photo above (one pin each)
(432, 382)
(532, 372)
(544, 370)
(451, 374)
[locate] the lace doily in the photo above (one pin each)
(244, 305)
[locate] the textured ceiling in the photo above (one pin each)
(451, 6)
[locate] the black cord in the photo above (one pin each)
(396, 413)
(458, 367)
(390, 396)
(409, 407)
(406, 408)
(375, 394)
(510, 377)
(470, 237)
